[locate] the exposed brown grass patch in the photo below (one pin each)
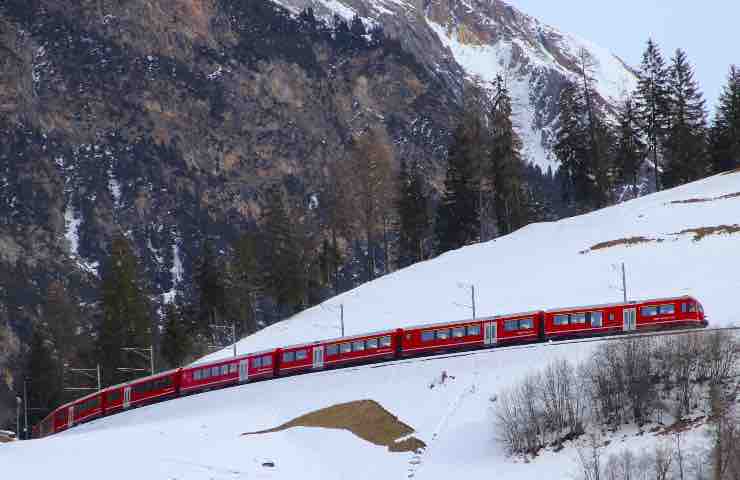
(702, 200)
(365, 418)
(700, 233)
(681, 426)
(622, 241)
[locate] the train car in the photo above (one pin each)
(623, 317)
(150, 389)
(87, 408)
(490, 331)
(357, 349)
(229, 371)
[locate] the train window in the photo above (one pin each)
(473, 330)
(206, 373)
(288, 356)
(525, 324)
(224, 370)
(233, 368)
(511, 325)
(385, 341)
(215, 371)
(345, 347)
(684, 307)
(561, 320)
(667, 309)
(372, 343)
(196, 375)
(427, 336)
(692, 307)
(578, 318)
(596, 318)
(649, 311)
(266, 361)
(332, 350)
(611, 317)
(443, 334)
(458, 332)
(301, 355)
(358, 346)
(257, 362)
(114, 396)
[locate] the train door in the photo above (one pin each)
(71, 416)
(243, 370)
(318, 356)
(629, 316)
(126, 397)
(489, 333)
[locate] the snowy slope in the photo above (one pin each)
(199, 437)
(540, 266)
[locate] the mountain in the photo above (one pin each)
(486, 38)
(680, 241)
(166, 123)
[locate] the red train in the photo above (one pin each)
(487, 332)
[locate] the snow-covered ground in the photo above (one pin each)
(199, 437)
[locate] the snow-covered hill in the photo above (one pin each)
(485, 38)
(679, 241)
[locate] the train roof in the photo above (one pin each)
(619, 304)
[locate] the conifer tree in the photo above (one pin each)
(44, 375)
(283, 277)
(725, 132)
(458, 221)
(571, 146)
(630, 147)
(413, 215)
(652, 101)
(210, 281)
(505, 163)
(244, 283)
(62, 317)
(685, 143)
(176, 344)
(126, 318)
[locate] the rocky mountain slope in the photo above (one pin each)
(166, 121)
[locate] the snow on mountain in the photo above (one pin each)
(658, 237)
(485, 38)
(679, 241)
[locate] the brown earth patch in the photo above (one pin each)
(622, 241)
(700, 233)
(365, 418)
(681, 426)
(702, 200)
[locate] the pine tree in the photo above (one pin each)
(210, 281)
(505, 164)
(652, 101)
(458, 221)
(126, 320)
(283, 279)
(630, 147)
(176, 344)
(725, 132)
(43, 375)
(571, 146)
(62, 316)
(244, 283)
(413, 215)
(685, 143)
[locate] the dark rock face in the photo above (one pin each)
(160, 119)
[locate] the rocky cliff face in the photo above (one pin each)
(164, 119)
(484, 38)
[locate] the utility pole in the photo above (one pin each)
(471, 306)
(233, 335)
(87, 373)
(25, 410)
(341, 317)
(18, 403)
(142, 353)
(624, 283)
